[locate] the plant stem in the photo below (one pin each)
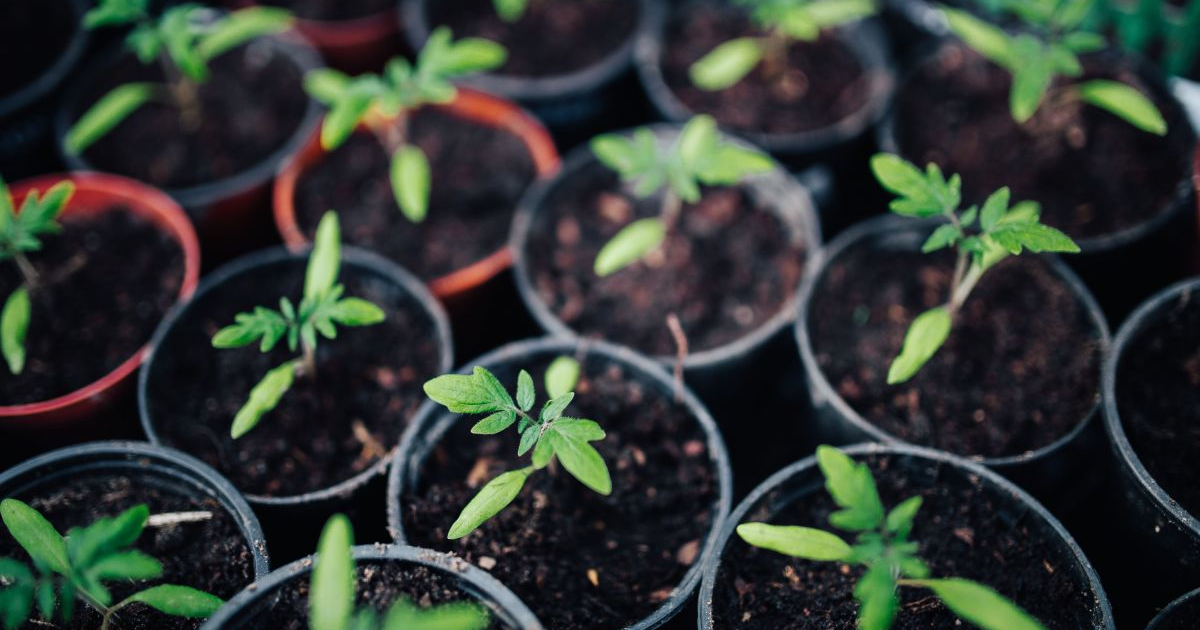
(963, 288)
(775, 54)
(308, 365)
(671, 206)
(30, 274)
(392, 134)
(183, 94)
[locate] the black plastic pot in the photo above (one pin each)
(1052, 473)
(1178, 614)
(26, 146)
(294, 521)
(433, 421)
(243, 610)
(802, 479)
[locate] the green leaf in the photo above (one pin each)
(987, 40)
(726, 64)
(45, 599)
(578, 429)
(617, 153)
(410, 177)
(925, 336)
(344, 115)
(36, 535)
(531, 437)
(944, 236)
(799, 542)
(16, 598)
(40, 216)
(876, 595)
(333, 577)
(994, 208)
(326, 84)
(178, 601)
(461, 394)
(582, 460)
(1124, 102)
(525, 393)
(900, 519)
(1032, 74)
(403, 615)
(263, 323)
(629, 245)
(495, 389)
(14, 324)
(902, 178)
(1081, 42)
(263, 398)
(1032, 236)
(128, 565)
(562, 376)
(830, 13)
(510, 10)
(325, 259)
(356, 312)
(853, 489)
(242, 26)
(980, 605)
(542, 453)
(493, 497)
(495, 423)
(555, 407)
(107, 113)
(445, 58)
(106, 536)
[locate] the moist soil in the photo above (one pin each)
(249, 107)
(729, 265)
(818, 84)
(211, 555)
(105, 283)
(324, 431)
(478, 173)
(1158, 397)
(333, 10)
(578, 559)
(963, 531)
(33, 35)
(552, 38)
(1093, 173)
(1019, 370)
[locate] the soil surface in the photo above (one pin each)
(478, 172)
(105, 283)
(727, 267)
(578, 559)
(36, 34)
(333, 10)
(324, 431)
(1020, 369)
(249, 107)
(212, 555)
(1158, 397)
(818, 83)
(1093, 173)
(553, 37)
(963, 530)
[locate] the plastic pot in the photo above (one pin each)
(432, 422)
(355, 45)
(95, 193)
(1178, 614)
(803, 479)
(1052, 472)
(245, 609)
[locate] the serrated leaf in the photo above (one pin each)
(900, 519)
(1124, 102)
(1035, 237)
(491, 499)
(14, 325)
(495, 389)
(562, 376)
(555, 406)
(852, 488)
(798, 542)
(530, 438)
(460, 394)
(263, 398)
(944, 236)
(987, 40)
(495, 423)
(107, 113)
(994, 208)
(242, 26)
(525, 392)
(578, 429)
(981, 605)
(900, 177)
(582, 460)
(333, 581)
(410, 177)
(726, 64)
(629, 245)
(36, 535)
(925, 336)
(178, 601)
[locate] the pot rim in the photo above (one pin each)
(54, 75)
(345, 32)
(1165, 614)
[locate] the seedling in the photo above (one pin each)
(321, 311)
(76, 567)
(383, 103)
(1049, 50)
(697, 157)
(331, 594)
(20, 234)
(785, 22)
(550, 435)
(1003, 230)
(183, 41)
(881, 545)
(1143, 26)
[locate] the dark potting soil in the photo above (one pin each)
(578, 559)
(821, 83)
(963, 531)
(1019, 370)
(478, 174)
(210, 555)
(1158, 397)
(33, 35)
(250, 106)
(105, 283)
(728, 266)
(333, 10)
(378, 586)
(324, 431)
(1093, 173)
(552, 38)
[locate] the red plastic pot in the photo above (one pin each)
(472, 105)
(355, 45)
(96, 193)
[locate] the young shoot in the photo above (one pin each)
(549, 435)
(182, 41)
(883, 547)
(1002, 230)
(785, 22)
(321, 310)
(20, 234)
(698, 156)
(382, 103)
(334, 580)
(1048, 50)
(77, 566)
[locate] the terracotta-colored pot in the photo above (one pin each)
(356, 45)
(96, 193)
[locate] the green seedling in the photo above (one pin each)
(183, 41)
(883, 547)
(785, 22)
(331, 603)
(982, 237)
(550, 435)
(321, 310)
(20, 234)
(1147, 26)
(1048, 49)
(75, 567)
(382, 103)
(697, 157)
